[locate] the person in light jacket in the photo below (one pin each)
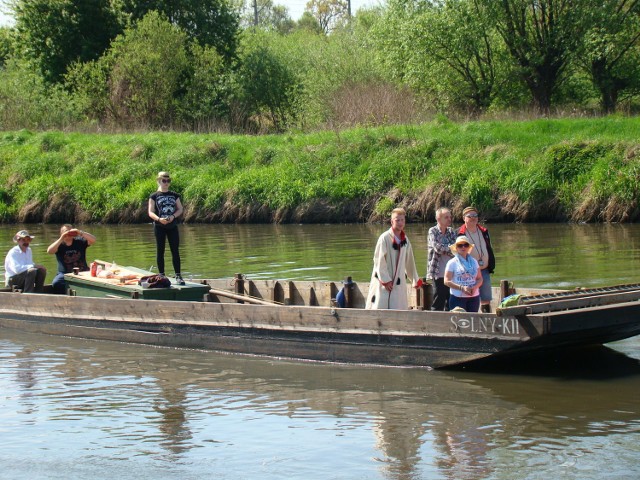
(19, 269)
(393, 263)
(440, 237)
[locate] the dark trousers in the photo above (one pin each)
(440, 296)
(470, 304)
(29, 281)
(162, 235)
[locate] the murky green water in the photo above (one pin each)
(539, 255)
(72, 408)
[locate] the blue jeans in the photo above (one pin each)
(59, 285)
(470, 304)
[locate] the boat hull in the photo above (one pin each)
(408, 338)
(391, 337)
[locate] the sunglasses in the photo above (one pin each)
(462, 245)
(168, 180)
(472, 215)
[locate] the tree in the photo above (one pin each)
(211, 22)
(329, 13)
(26, 101)
(541, 36)
(309, 23)
(265, 14)
(146, 65)
(609, 49)
(458, 40)
(206, 91)
(56, 33)
(268, 84)
(7, 44)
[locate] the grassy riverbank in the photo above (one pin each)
(540, 170)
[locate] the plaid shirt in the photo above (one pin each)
(438, 246)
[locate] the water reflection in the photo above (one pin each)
(186, 407)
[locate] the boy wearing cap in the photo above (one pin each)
(19, 269)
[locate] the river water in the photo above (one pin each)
(72, 408)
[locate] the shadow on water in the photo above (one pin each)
(592, 363)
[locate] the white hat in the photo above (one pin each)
(21, 234)
(461, 239)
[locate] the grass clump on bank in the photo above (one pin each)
(541, 170)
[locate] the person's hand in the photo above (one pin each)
(69, 233)
(388, 285)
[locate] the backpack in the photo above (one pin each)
(155, 281)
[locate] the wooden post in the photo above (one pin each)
(291, 292)
(348, 292)
(504, 289)
(427, 294)
(313, 298)
(277, 295)
(238, 285)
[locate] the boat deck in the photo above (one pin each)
(125, 285)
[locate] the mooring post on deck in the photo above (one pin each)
(427, 295)
(506, 289)
(348, 292)
(238, 282)
(277, 294)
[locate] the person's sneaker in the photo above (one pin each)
(179, 279)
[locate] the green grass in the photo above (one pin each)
(540, 170)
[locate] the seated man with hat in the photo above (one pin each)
(19, 269)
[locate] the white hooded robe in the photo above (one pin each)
(389, 265)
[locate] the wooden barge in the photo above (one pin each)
(300, 320)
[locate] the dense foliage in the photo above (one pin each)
(541, 170)
(211, 65)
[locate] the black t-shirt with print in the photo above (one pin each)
(166, 205)
(73, 256)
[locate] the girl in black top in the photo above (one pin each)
(164, 209)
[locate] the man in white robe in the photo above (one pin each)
(393, 262)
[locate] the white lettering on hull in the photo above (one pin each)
(489, 325)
